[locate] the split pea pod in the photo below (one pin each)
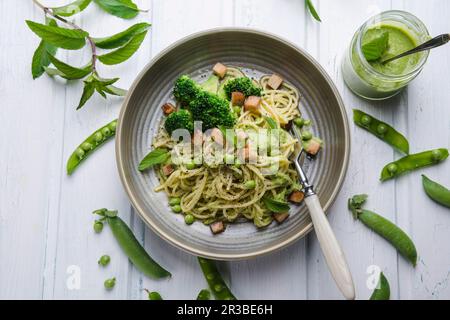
(381, 130)
(389, 231)
(215, 281)
(383, 291)
(413, 162)
(89, 145)
(436, 192)
(131, 246)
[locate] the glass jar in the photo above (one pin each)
(371, 83)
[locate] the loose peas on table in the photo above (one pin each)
(215, 281)
(385, 228)
(436, 192)
(383, 291)
(381, 130)
(413, 162)
(153, 295)
(110, 283)
(104, 260)
(94, 141)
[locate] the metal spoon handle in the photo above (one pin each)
(433, 43)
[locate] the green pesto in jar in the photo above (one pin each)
(400, 41)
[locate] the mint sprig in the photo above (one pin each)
(375, 48)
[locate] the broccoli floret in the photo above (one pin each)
(185, 90)
(181, 119)
(212, 111)
(244, 85)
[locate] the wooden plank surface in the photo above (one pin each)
(45, 217)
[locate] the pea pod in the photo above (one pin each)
(381, 130)
(383, 291)
(436, 192)
(132, 248)
(89, 145)
(215, 281)
(413, 162)
(385, 228)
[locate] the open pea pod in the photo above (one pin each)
(413, 162)
(89, 145)
(381, 130)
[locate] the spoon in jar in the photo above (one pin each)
(433, 43)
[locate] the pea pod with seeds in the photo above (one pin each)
(215, 281)
(385, 228)
(383, 291)
(381, 130)
(436, 192)
(132, 248)
(413, 162)
(89, 145)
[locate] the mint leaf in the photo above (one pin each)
(121, 38)
(115, 91)
(155, 157)
(71, 73)
(88, 91)
(40, 56)
(124, 53)
(312, 10)
(355, 204)
(125, 9)
(70, 39)
(375, 48)
(71, 9)
(275, 206)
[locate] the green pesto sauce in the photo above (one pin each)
(399, 41)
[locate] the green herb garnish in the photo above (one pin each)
(155, 157)
(312, 10)
(375, 48)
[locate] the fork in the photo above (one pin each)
(331, 249)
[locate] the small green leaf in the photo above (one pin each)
(312, 10)
(275, 206)
(40, 57)
(70, 39)
(71, 73)
(375, 48)
(125, 9)
(71, 9)
(115, 91)
(88, 91)
(124, 53)
(355, 204)
(52, 72)
(121, 38)
(155, 157)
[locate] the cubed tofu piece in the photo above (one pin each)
(237, 98)
(168, 108)
(217, 227)
(313, 146)
(252, 104)
(280, 217)
(296, 197)
(217, 136)
(275, 81)
(220, 70)
(168, 170)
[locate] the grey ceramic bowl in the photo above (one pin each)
(257, 53)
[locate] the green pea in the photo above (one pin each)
(86, 146)
(189, 219)
(113, 126)
(382, 129)
(218, 288)
(98, 137)
(237, 110)
(204, 295)
(366, 120)
(176, 208)
(210, 276)
(436, 155)
(98, 226)
(299, 122)
(307, 123)
(154, 296)
(106, 131)
(191, 165)
(174, 201)
(251, 184)
(392, 168)
(80, 153)
(307, 135)
(104, 260)
(110, 283)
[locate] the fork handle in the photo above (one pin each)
(333, 253)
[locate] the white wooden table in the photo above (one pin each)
(45, 216)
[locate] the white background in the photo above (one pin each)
(45, 216)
